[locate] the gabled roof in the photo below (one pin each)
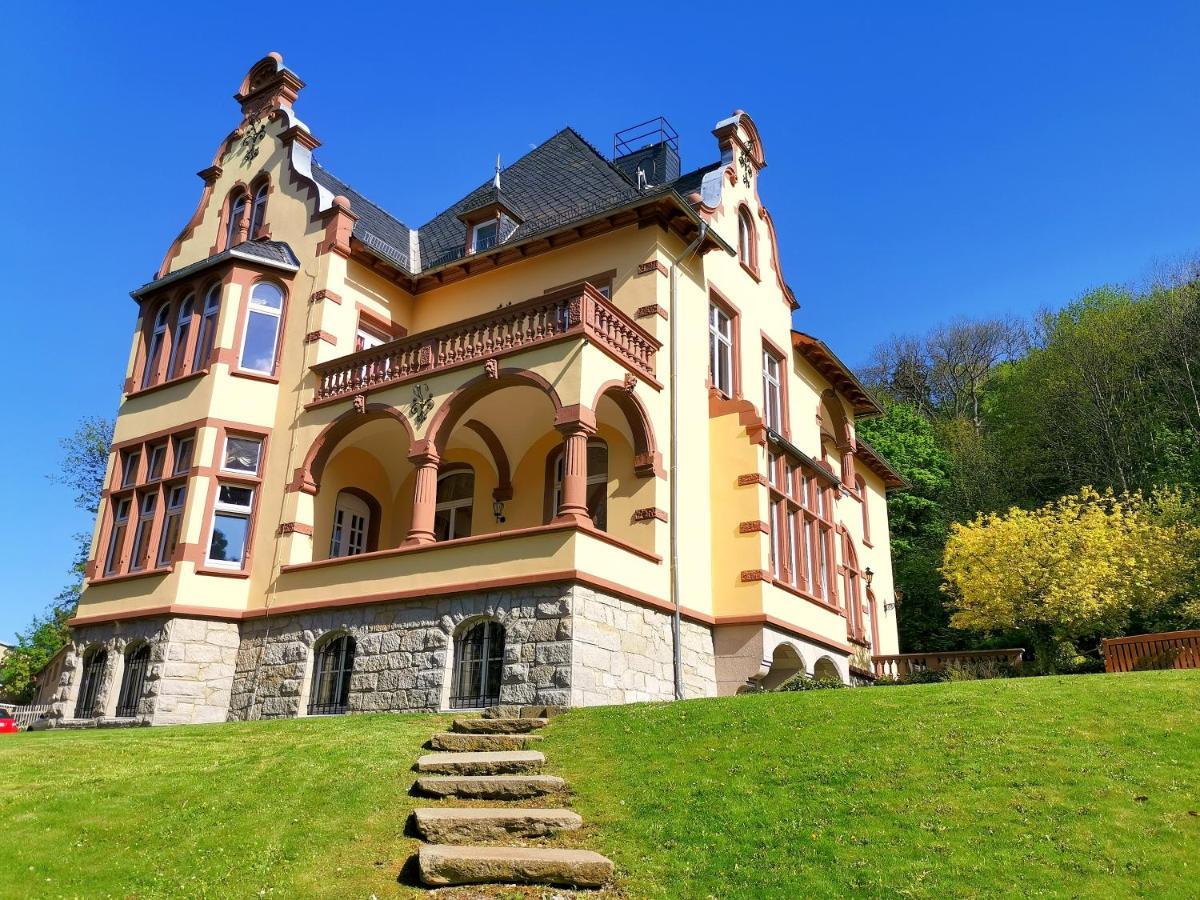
(892, 479)
(836, 372)
(275, 254)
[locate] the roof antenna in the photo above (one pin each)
(496, 180)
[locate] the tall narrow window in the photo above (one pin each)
(133, 681)
(866, 510)
(93, 673)
(183, 454)
(772, 391)
(597, 482)
(745, 239)
(258, 211)
(720, 349)
(455, 499)
(332, 666)
(351, 522)
(116, 537)
(262, 328)
(478, 665)
(157, 462)
(129, 470)
(158, 337)
(231, 526)
(141, 534)
(208, 328)
(183, 325)
(236, 212)
(171, 524)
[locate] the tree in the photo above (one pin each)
(85, 458)
(1079, 566)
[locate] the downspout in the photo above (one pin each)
(673, 514)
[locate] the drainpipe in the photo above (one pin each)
(673, 514)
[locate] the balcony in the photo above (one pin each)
(577, 312)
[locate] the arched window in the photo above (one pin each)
(208, 328)
(746, 240)
(183, 325)
(258, 211)
(455, 498)
(351, 524)
(157, 337)
(236, 211)
(478, 665)
(261, 338)
(133, 680)
(93, 673)
(597, 482)
(855, 622)
(332, 665)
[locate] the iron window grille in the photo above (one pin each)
(93, 672)
(478, 665)
(331, 677)
(133, 681)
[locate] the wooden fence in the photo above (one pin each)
(1178, 649)
(900, 665)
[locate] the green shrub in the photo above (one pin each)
(804, 682)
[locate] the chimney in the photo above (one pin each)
(647, 154)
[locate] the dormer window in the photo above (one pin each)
(484, 236)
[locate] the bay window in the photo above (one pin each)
(147, 503)
(231, 526)
(116, 537)
(208, 328)
(260, 339)
(183, 326)
(801, 526)
(176, 495)
(242, 454)
(158, 337)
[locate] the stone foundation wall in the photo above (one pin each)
(623, 653)
(115, 638)
(403, 653)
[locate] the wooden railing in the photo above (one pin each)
(900, 665)
(1178, 649)
(581, 311)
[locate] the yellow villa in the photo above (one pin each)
(559, 445)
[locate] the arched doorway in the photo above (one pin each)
(478, 665)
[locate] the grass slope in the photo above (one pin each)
(1037, 787)
(1073, 787)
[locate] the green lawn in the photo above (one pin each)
(1071, 787)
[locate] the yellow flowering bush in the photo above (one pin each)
(1074, 567)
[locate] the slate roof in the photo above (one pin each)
(563, 180)
(272, 253)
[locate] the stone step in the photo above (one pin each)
(512, 711)
(446, 825)
(442, 864)
(452, 742)
(497, 726)
(489, 787)
(499, 763)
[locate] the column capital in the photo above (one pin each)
(424, 453)
(575, 419)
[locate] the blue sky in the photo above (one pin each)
(925, 160)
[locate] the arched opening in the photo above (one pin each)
(454, 509)
(237, 212)
(183, 325)
(208, 328)
(826, 670)
(785, 663)
(133, 679)
(333, 663)
(260, 337)
(355, 523)
(258, 210)
(747, 240)
(853, 587)
(154, 346)
(478, 665)
(836, 431)
(94, 663)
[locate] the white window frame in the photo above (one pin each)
(183, 326)
(452, 506)
(190, 443)
(772, 391)
(231, 510)
(120, 525)
(255, 307)
(176, 498)
(206, 338)
(156, 456)
(250, 439)
(479, 226)
(745, 239)
(157, 336)
(346, 539)
(258, 210)
(236, 210)
(720, 346)
(147, 512)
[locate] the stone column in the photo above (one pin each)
(575, 431)
(424, 496)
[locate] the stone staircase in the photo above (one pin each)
(492, 759)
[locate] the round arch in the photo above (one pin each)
(454, 407)
(826, 668)
(786, 662)
(308, 477)
(647, 461)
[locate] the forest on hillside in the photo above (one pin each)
(989, 418)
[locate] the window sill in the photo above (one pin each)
(752, 272)
(130, 576)
(804, 595)
(222, 573)
(867, 543)
(254, 376)
(171, 382)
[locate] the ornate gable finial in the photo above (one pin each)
(268, 86)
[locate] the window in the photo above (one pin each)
(141, 535)
(231, 526)
(158, 459)
(866, 511)
(208, 328)
(332, 666)
(93, 674)
(258, 211)
(856, 623)
(801, 526)
(351, 521)
(746, 240)
(720, 349)
(772, 392)
(366, 338)
(129, 471)
(455, 498)
(236, 212)
(484, 236)
(478, 665)
(133, 681)
(154, 350)
(116, 538)
(183, 325)
(241, 455)
(597, 482)
(171, 525)
(262, 328)
(183, 455)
